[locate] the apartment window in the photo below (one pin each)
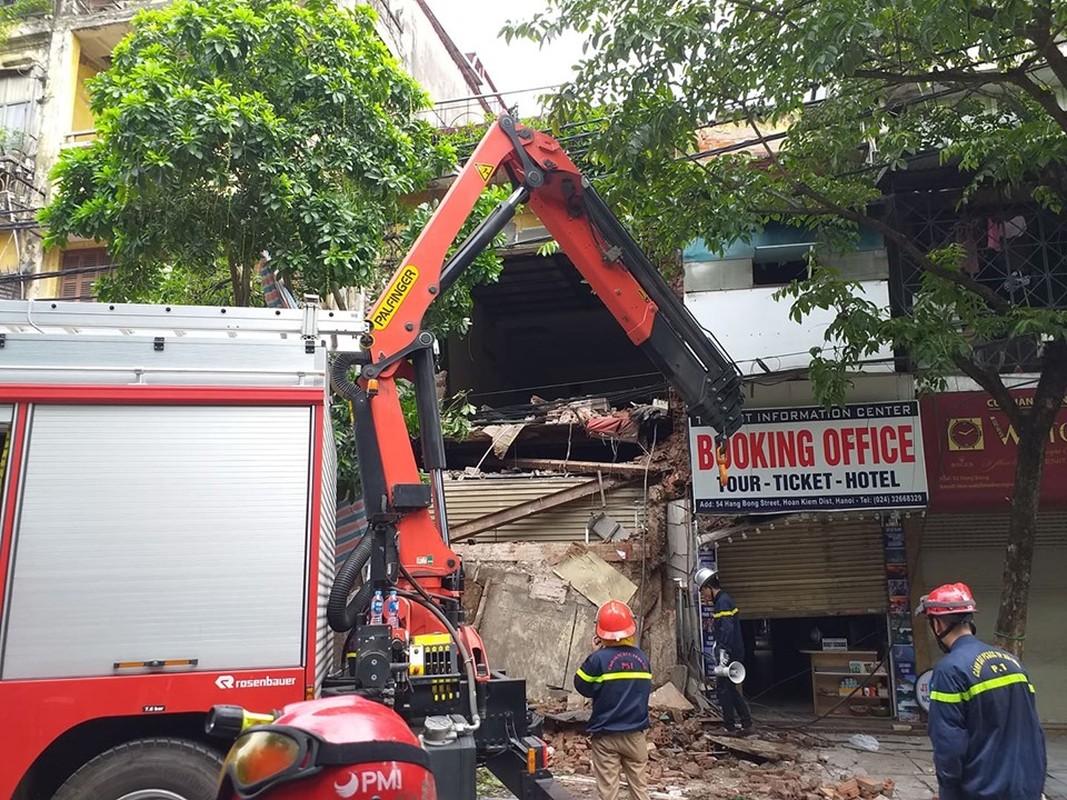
(82, 268)
(778, 273)
(779, 264)
(18, 96)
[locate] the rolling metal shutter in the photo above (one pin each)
(807, 568)
(971, 549)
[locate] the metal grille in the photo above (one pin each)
(1018, 251)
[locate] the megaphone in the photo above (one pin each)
(735, 671)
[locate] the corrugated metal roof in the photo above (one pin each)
(473, 498)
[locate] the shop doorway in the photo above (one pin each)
(779, 663)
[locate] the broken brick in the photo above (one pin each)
(869, 787)
(847, 790)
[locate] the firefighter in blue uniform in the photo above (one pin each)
(729, 647)
(618, 679)
(988, 742)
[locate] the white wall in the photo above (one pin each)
(750, 324)
(411, 37)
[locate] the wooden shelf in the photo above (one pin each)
(830, 667)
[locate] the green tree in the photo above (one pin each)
(226, 129)
(851, 89)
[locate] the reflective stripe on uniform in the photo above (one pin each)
(729, 613)
(615, 676)
(979, 688)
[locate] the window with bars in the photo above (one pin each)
(82, 269)
(1018, 251)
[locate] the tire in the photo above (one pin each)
(147, 769)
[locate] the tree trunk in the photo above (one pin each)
(239, 281)
(1033, 439)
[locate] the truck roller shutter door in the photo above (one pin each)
(160, 532)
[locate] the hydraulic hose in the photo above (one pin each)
(343, 362)
(341, 614)
(468, 658)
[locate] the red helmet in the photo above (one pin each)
(338, 747)
(952, 598)
(615, 621)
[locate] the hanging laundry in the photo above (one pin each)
(994, 231)
(1016, 226)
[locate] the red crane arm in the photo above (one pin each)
(397, 316)
(415, 544)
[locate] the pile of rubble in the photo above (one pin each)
(689, 758)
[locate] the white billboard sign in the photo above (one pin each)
(862, 456)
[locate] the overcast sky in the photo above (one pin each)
(521, 65)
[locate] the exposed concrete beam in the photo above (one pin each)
(584, 467)
(501, 518)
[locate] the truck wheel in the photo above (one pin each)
(147, 769)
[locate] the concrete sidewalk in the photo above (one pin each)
(907, 759)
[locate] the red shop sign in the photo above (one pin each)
(971, 447)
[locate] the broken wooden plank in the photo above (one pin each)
(499, 519)
(584, 467)
(756, 750)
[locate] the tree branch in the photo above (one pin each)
(994, 386)
(1045, 98)
(1040, 33)
(935, 76)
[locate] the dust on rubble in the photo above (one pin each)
(690, 759)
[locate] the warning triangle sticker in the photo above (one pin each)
(485, 170)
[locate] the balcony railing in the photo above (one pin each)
(79, 138)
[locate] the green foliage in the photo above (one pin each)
(849, 91)
(11, 15)
(349, 486)
(230, 128)
(23, 9)
(455, 413)
(548, 248)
